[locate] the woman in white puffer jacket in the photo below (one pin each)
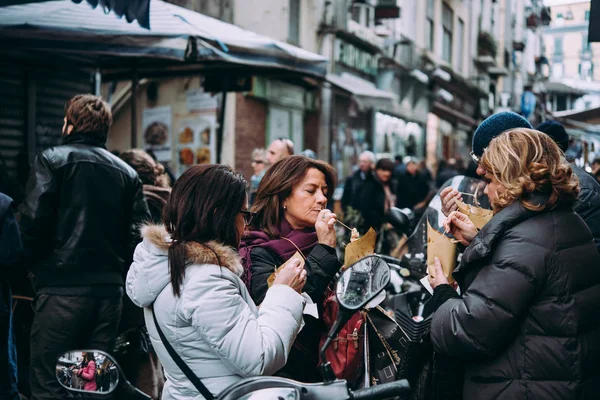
(191, 271)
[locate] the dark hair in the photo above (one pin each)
(385, 164)
(149, 171)
(203, 206)
(89, 114)
(89, 356)
(277, 185)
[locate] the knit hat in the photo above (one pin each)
(493, 126)
(557, 132)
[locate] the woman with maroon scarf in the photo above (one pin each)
(291, 216)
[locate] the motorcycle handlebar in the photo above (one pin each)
(383, 391)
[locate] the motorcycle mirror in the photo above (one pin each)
(362, 282)
(399, 219)
(74, 373)
(357, 286)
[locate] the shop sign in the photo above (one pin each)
(355, 58)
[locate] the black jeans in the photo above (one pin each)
(63, 323)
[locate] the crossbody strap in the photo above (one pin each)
(181, 364)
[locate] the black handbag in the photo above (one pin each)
(180, 363)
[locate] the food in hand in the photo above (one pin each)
(478, 216)
(355, 235)
(442, 247)
(360, 248)
(296, 256)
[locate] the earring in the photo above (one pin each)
(285, 207)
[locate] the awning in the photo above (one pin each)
(562, 88)
(365, 93)
(130, 9)
(176, 35)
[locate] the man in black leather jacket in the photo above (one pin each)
(79, 224)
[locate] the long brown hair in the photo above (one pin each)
(149, 171)
(277, 185)
(203, 207)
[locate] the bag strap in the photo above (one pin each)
(297, 248)
(180, 363)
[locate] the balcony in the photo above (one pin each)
(486, 50)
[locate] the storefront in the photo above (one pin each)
(34, 94)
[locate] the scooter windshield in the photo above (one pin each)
(472, 194)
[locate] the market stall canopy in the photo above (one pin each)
(130, 9)
(365, 93)
(177, 36)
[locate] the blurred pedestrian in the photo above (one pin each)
(377, 195)
(279, 149)
(413, 187)
(259, 166)
(10, 257)
(79, 225)
(354, 183)
(157, 184)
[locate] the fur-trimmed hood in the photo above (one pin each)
(149, 273)
(196, 253)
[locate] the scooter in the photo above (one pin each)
(355, 288)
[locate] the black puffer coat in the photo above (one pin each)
(588, 202)
(528, 323)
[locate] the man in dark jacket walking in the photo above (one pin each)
(79, 223)
(352, 188)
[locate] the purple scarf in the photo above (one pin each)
(304, 239)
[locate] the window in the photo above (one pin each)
(460, 37)
(587, 15)
(363, 14)
(447, 26)
(558, 46)
(429, 36)
(557, 70)
(294, 26)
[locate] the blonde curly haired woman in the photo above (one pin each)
(528, 322)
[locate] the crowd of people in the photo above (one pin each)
(118, 250)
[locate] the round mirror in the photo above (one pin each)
(362, 281)
(87, 371)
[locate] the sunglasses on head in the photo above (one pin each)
(248, 216)
(474, 157)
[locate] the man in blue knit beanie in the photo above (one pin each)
(491, 127)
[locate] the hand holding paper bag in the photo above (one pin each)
(479, 216)
(442, 247)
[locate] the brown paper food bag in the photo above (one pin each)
(360, 248)
(442, 247)
(478, 216)
(282, 266)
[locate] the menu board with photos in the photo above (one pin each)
(195, 137)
